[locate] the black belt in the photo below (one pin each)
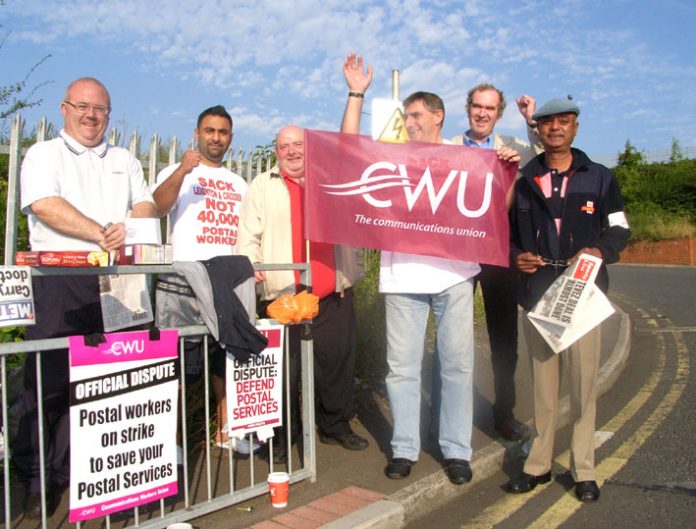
(175, 288)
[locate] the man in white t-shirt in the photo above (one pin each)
(413, 286)
(202, 198)
(76, 191)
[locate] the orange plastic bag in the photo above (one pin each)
(295, 308)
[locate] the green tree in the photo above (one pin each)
(631, 157)
(676, 155)
(628, 171)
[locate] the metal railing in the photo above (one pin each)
(207, 485)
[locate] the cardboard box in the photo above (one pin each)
(65, 258)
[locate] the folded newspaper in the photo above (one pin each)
(572, 306)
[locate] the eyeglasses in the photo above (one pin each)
(555, 263)
(552, 263)
(84, 108)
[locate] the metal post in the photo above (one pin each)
(240, 165)
(230, 156)
(42, 130)
(184, 424)
(173, 146)
(134, 146)
(206, 409)
(13, 189)
(154, 159)
(114, 136)
(308, 411)
(395, 85)
(6, 443)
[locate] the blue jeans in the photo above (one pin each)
(407, 318)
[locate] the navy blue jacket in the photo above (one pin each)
(592, 195)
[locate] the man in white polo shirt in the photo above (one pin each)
(76, 191)
(202, 198)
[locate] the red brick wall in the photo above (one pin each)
(671, 251)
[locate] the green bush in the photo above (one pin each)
(660, 198)
(22, 230)
(371, 365)
(651, 224)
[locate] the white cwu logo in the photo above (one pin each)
(369, 183)
(126, 348)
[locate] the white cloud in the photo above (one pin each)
(262, 55)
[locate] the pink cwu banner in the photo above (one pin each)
(420, 198)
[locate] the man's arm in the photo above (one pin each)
(250, 229)
(615, 232)
(167, 193)
(527, 107)
(144, 210)
(525, 152)
(358, 83)
(62, 216)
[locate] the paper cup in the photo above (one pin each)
(278, 483)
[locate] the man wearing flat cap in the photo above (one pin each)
(565, 205)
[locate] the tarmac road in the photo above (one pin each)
(647, 422)
(427, 488)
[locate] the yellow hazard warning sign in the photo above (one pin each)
(395, 130)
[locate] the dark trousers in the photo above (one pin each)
(65, 306)
(499, 288)
(335, 349)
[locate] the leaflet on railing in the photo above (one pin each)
(16, 296)
(123, 403)
(125, 301)
(572, 305)
(255, 388)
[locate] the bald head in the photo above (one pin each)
(88, 81)
(290, 152)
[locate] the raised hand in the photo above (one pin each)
(357, 79)
(527, 106)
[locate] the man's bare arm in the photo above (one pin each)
(358, 82)
(144, 210)
(62, 216)
(167, 193)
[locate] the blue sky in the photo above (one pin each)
(628, 63)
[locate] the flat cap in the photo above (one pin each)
(557, 106)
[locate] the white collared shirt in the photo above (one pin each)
(102, 182)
